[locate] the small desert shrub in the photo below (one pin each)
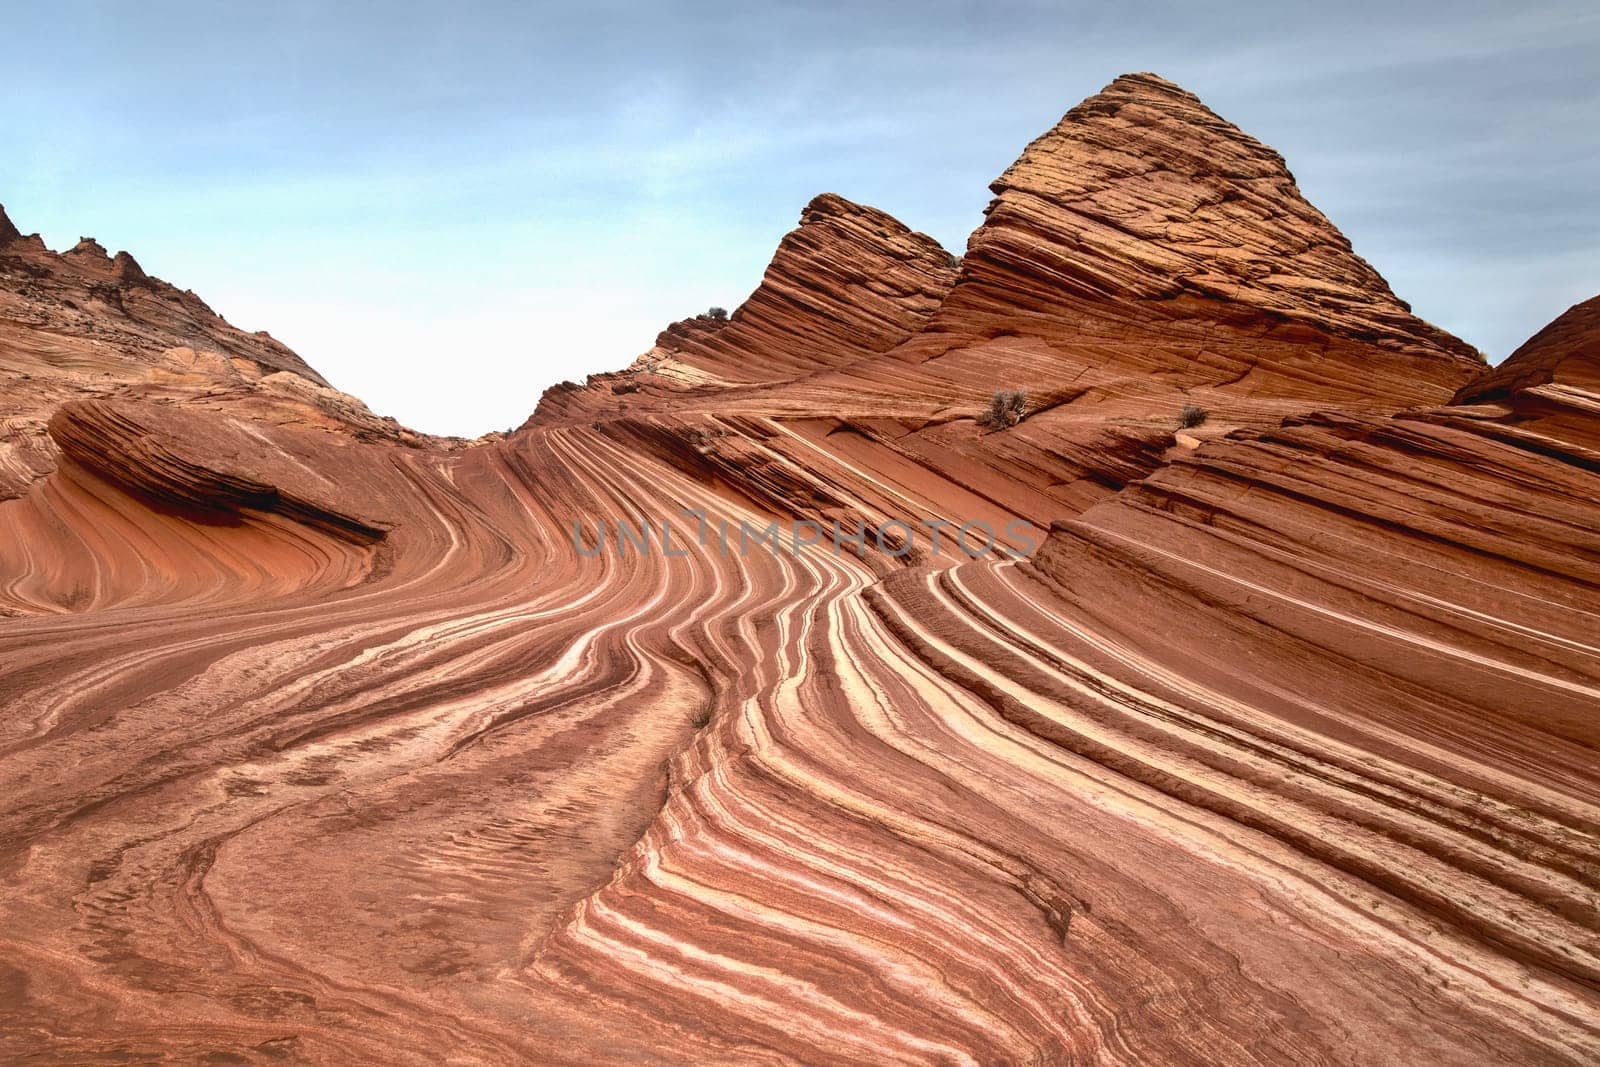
(1006, 408)
(702, 442)
(1191, 416)
(717, 314)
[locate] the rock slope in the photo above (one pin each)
(1279, 748)
(1567, 352)
(848, 283)
(1142, 193)
(84, 323)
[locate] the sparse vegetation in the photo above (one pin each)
(702, 442)
(717, 314)
(1007, 408)
(1191, 416)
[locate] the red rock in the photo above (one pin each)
(849, 282)
(85, 324)
(1566, 352)
(324, 742)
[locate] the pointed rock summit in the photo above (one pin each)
(8, 232)
(1142, 192)
(87, 248)
(127, 268)
(848, 282)
(1566, 353)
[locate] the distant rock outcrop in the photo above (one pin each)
(848, 283)
(84, 323)
(1566, 352)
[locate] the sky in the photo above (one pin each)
(447, 207)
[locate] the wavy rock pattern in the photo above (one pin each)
(325, 745)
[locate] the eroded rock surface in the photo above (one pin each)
(849, 282)
(83, 323)
(325, 744)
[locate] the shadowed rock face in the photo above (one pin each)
(321, 744)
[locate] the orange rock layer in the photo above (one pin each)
(324, 745)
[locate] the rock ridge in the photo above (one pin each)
(83, 323)
(1142, 192)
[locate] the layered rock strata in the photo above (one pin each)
(329, 746)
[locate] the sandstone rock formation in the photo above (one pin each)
(326, 744)
(848, 283)
(84, 323)
(1567, 352)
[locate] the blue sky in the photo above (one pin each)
(447, 207)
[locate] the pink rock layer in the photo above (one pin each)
(322, 742)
